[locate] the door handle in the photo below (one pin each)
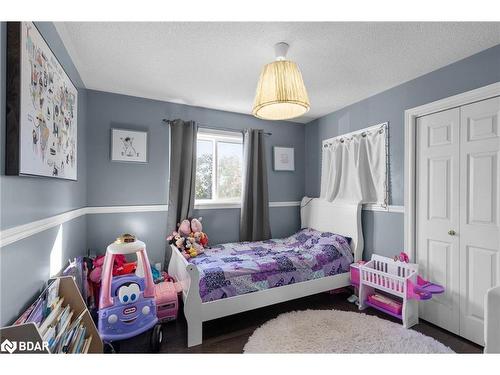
(451, 232)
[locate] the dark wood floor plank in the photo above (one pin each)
(230, 334)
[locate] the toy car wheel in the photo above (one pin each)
(156, 338)
(111, 348)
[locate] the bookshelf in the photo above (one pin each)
(29, 332)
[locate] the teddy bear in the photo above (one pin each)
(201, 238)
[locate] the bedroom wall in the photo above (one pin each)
(25, 264)
(128, 184)
(384, 231)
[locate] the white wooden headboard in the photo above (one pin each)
(339, 217)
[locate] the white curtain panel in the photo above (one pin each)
(354, 168)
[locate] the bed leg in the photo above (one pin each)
(192, 308)
(195, 332)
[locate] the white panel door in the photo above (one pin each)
(479, 232)
(438, 167)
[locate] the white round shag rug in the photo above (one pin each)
(334, 331)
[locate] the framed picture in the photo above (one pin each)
(129, 145)
(283, 158)
(42, 103)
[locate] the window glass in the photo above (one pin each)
(229, 162)
(219, 163)
(204, 169)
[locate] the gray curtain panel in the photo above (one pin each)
(182, 174)
(254, 221)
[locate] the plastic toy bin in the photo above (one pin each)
(355, 267)
(167, 303)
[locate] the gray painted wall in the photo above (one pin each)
(106, 185)
(113, 183)
(467, 74)
(25, 264)
(221, 225)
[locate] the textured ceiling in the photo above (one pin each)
(217, 64)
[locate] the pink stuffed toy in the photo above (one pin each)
(196, 225)
(185, 228)
(95, 274)
(402, 257)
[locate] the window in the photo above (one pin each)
(218, 167)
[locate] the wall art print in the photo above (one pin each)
(41, 108)
(129, 145)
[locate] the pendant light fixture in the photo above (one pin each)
(281, 94)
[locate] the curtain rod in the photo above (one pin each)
(379, 128)
(205, 126)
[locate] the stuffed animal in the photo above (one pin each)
(189, 238)
(196, 225)
(201, 238)
(180, 242)
(402, 257)
(185, 227)
(120, 267)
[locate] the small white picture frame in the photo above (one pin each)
(284, 158)
(129, 145)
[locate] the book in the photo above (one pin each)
(82, 339)
(86, 346)
(53, 293)
(25, 315)
(54, 313)
(36, 315)
(79, 338)
(71, 335)
(63, 329)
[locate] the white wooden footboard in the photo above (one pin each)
(188, 276)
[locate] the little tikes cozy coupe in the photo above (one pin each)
(127, 303)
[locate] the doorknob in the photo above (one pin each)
(451, 232)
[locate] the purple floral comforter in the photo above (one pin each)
(237, 268)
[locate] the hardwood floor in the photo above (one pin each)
(230, 334)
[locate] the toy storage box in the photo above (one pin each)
(167, 302)
(71, 294)
(355, 267)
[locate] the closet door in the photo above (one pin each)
(438, 167)
(479, 212)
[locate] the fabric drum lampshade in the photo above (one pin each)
(281, 93)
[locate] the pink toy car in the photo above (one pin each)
(167, 302)
(127, 305)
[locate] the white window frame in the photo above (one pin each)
(217, 136)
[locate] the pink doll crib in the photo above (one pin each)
(394, 279)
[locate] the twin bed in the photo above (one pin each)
(232, 278)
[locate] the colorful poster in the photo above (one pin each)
(48, 113)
